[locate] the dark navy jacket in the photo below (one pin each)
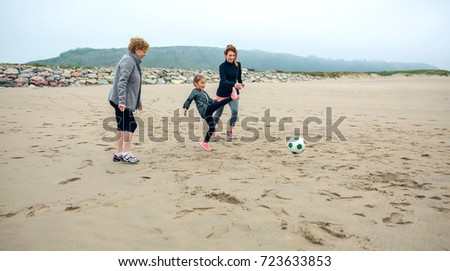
(229, 76)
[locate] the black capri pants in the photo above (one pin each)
(125, 120)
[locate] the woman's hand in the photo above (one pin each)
(185, 112)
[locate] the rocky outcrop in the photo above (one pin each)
(35, 76)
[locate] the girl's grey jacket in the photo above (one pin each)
(126, 88)
(202, 100)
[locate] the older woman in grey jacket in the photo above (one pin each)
(125, 97)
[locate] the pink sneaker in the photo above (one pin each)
(234, 95)
(230, 135)
(205, 146)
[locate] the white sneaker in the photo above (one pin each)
(130, 158)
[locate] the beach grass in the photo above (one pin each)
(414, 72)
(380, 73)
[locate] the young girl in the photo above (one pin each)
(206, 106)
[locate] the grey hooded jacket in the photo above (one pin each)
(126, 88)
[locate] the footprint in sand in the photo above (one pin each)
(441, 209)
(364, 220)
(241, 226)
(156, 232)
(389, 179)
(310, 236)
(114, 171)
(183, 213)
(278, 211)
(8, 215)
(193, 211)
(83, 205)
(284, 225)
(145, 178)
(217, 231)
(395, 218)
(273, 193)
(72, 208)
(319, 231)
(401, 206)
(37, 209)
(332, 229)
(70, 180)
(86, 163)
(335, 196)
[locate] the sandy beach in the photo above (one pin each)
(381, 184)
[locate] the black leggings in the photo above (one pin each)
(209, 118)
(125, 120)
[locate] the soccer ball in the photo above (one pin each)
(296, 144)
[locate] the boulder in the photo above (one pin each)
(11, 71)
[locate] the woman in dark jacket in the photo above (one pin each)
(230, 77)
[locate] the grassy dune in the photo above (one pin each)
(383, 73)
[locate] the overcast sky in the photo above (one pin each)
(389, 30)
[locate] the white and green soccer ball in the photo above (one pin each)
(296, 144)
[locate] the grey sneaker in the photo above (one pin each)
(117, 158)
(130, 158)
(230, 135)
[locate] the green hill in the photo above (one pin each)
(186, 57)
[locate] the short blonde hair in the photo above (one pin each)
(137, 43)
